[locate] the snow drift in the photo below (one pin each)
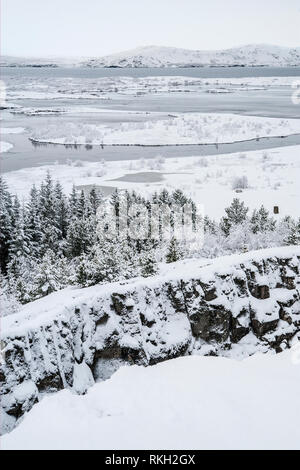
(232, 306)
(186, 403)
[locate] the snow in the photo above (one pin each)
(108, 89)
(12, 130)
(62, 304)
(25, 391)
(82, 378)
(5, 146)
(191, 403)
(159, 56)
(180, 129)
(273, 178)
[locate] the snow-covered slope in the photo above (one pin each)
(156, 56)
(14, 61)
(185, 403)
(161, 56)
(232, 306)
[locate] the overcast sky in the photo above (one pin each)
(99, 27)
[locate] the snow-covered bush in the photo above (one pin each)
(240, 182)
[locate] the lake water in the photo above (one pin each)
(271, 102)
(199, 72)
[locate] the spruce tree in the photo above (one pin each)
(148, 265)
(236, 214)
(174, 252)
(261, 221)
(6, 223)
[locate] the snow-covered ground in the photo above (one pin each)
(180, 129)
(5, 146)
(186, 403)
(61, 304)
(272, 176)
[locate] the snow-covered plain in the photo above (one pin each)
(273, 178)
(180, 129)
(186, 403)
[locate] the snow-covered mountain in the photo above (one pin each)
(160, 56)
(156, 56)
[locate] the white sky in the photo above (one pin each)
(99, 27)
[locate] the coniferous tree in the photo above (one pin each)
(174, 252)
(6, 223)
(33, 224)
(236, 214)
(293, 235)
(148, 265)
(261, 221)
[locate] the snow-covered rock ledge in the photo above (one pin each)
(232, 306)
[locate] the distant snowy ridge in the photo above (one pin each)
(232, 306)
(161, 56)
(156, 56)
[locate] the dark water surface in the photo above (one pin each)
(197, 72)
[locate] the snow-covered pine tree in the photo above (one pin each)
(19, 244)
(33, 222)
(61, 211)
(51, 274)
(83, 273)
(148, 264)
(174, 252)
(261, 221)
(236, 214)
(47, 209)
(96, 198)
(293, 236)
(6, 216)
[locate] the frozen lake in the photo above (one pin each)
(87, 91)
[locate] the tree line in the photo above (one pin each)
(52, 240)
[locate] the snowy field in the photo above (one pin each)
(191, 403)
(268, 177)
(180, 129)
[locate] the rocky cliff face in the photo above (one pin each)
(234, 306)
